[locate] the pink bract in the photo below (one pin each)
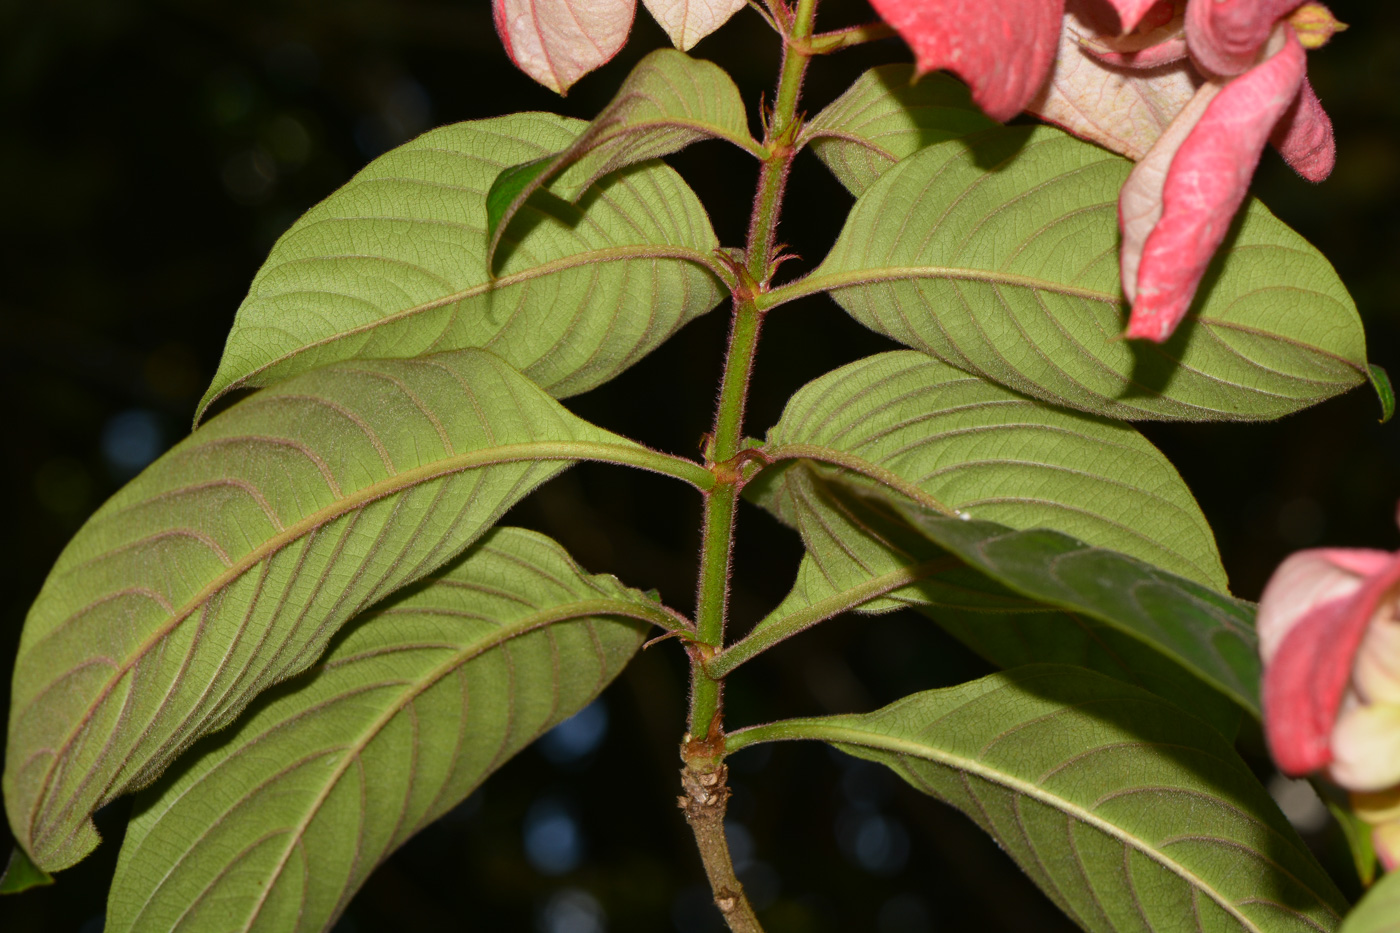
(1131, 12)
(1204, 187)
(1312, 618)
(1002, 48)
(1225, 35)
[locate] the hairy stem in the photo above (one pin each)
(829, 42)
(703, 776)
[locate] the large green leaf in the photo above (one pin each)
(229, 563)
(669, 101)
(1379, 910)
(1128, 814)
(945, 437)
(394, 265)
(887, 114)
(998, 253)
(1015, 597)
(278, 821)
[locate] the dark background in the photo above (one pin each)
(150, 153)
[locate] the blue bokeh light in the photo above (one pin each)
(576, 737)
(553, 837)
(131, 439)
(873, 841)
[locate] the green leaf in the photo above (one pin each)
(509, 190)
(229, 563)
(887, 114)
(393, 265)
(1380, 381)
(998, 253)
(1205, 632)
(1355, 830)
(958, 442)
(408, 712)
(1015, 597)
(21, 874)
(1128, 813)
(1379, 910)
(669, 101)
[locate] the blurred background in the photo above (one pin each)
(151, 153)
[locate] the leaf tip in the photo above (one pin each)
(220, 387)
(1380, 381)
(21, 874)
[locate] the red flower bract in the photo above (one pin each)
(1002, 48)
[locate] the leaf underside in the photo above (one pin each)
(229, 563)
(393, 265)
(1001, 457)
(887, 114)
(998, 253)
(1127, 813)
(276, 822)
(668, 101)
(1021, 597)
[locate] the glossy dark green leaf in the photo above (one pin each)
(276, 822)
(1014, 597)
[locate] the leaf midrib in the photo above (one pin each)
(876, 275)
(527, 452)
(577, 260)
(858, 464)
(833, 281)
(625, 128)
(829, 732)
(412, 689)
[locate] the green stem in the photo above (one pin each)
(784, 730)
(643, 458)
(718, 536)
(834, 281)
(703, 777)
(839, 39)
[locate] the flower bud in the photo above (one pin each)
(1315, 25)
